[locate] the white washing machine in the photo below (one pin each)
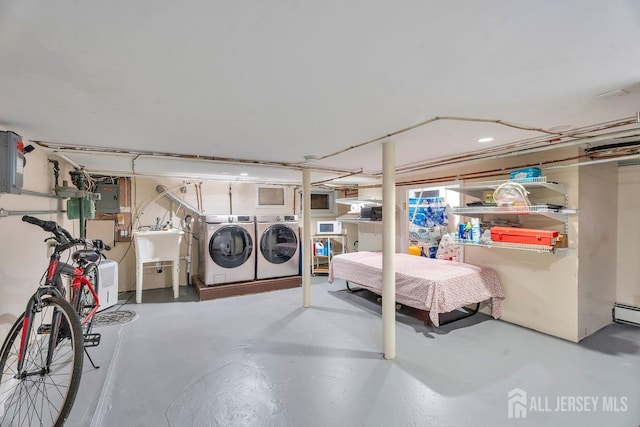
(278, 242)
(227, 249)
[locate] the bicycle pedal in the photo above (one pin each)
(91, 340)
(44, 329)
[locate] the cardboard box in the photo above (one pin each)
(562, 241)
(526, 236)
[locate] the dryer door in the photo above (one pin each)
(278, 244)
(230, 246)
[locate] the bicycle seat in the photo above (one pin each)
(86, 255)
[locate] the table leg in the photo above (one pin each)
(139, 271)
(176, 277)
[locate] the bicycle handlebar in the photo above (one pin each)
(45, 225)
(63, 237)
(98, 244)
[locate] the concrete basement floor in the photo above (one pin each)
(263, 360)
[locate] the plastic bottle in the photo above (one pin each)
(475, 230)
(462, 234)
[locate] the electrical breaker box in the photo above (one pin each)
(109, 198)
(11, 162)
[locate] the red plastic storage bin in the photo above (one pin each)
(528, 236)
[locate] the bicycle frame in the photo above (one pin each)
(52, 287)
(80, 280)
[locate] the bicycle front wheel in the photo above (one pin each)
(41, 393)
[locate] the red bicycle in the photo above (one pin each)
(41, 358)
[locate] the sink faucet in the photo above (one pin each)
(157, 227)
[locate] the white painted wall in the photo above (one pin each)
(597, 246)
(540, 289)
(23, 253)
(370, 234)
(628, 236)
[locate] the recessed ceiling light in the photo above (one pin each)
(486, 139)
(244, 174)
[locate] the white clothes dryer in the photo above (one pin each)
(227, 253)
(278, 253)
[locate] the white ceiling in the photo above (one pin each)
(277, 80)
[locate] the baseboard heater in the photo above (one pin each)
(626, 314)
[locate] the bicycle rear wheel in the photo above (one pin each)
(41, 393)
(87, 302)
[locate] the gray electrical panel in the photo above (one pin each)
(11, 162)
(109, 198)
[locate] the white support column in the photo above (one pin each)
(389, 250)
(306, 238)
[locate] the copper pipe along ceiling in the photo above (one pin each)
(498, 173)
(522, 147)
(137, 153)
(574, 133)
(560, 139)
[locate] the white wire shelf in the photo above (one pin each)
(513, 246)
(358, 201)
(517, 210)
(528, 183)
(557, 214)
(358, 221)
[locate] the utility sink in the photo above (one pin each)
(157, 246)
(152, 246)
